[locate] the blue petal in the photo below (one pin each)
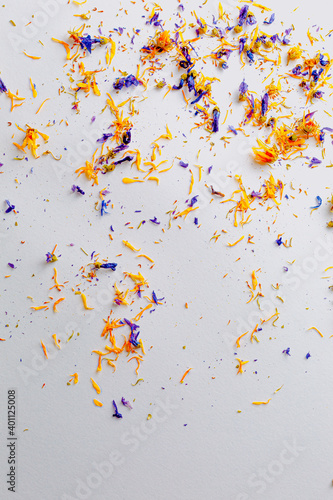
(271, 19)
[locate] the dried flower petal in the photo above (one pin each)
(116, 414)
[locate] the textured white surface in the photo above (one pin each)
(279, 451)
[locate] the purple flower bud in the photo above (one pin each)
(77, 189)
(314, 161)
(126, 403)
(104, 138)
(264, 104)
(243, 88)
(193, 201)
(216, 117)
(243, 15)
(86, 42)
(134, 334)
(116, 414)
(126, 82)
(109, 265)
(10, 207)
(242, 42)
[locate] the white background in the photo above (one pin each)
(196, 445)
